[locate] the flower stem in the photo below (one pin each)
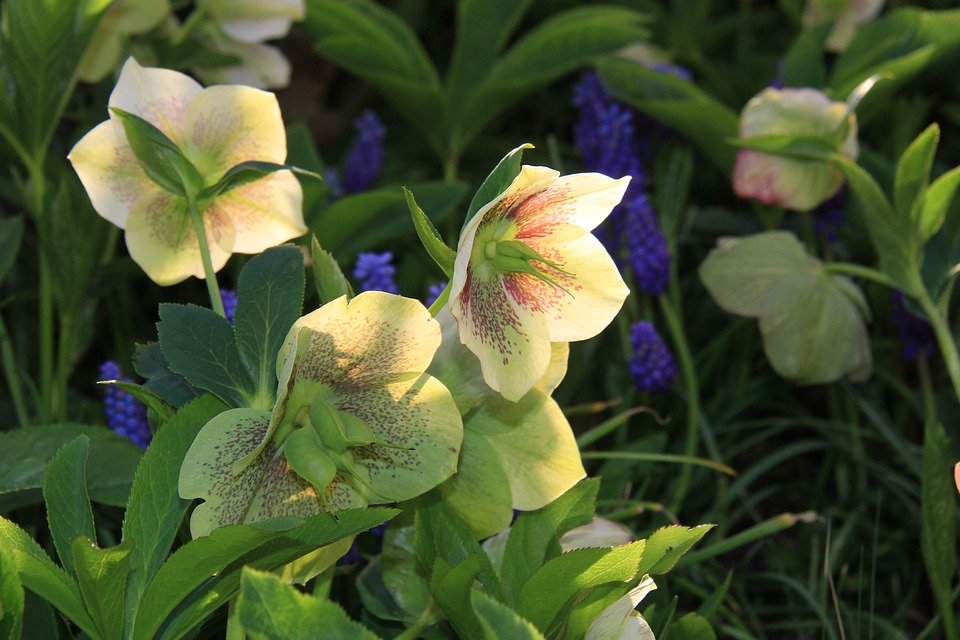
(209, 274)
(860, 271)
(941, 328)
(427, 618)
(689, 374)
(12, 375)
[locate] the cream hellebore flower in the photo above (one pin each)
(254, 20)
(356, 422)
(215, 128)
(124, 18)
(846, 15)
(528, 272)
(261, 66)
(798, 184)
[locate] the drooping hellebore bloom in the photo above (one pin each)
(356, 422)
(846, 15)
(215, 129)
(122, 19)
(260, 65)
(254, 20)
(798, 184)
(528, 272)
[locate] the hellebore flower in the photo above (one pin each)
(799, 184)
(260, 65)
(215, 129)
(254, 20)
(528, 272)
(124, 18)
(846, 15)
(356, 422)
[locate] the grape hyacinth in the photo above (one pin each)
(607, 139)
(652, 366)
(375, 272)
(125, 415)
(229, 298)
(434, 292)
(916, 334)
(361, 168)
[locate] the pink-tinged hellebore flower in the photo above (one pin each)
(846, 15)
(528, 272)
(798, 184)
(215, 128)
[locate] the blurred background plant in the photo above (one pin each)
(821, 492)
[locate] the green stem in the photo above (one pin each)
(49, 403)
(209, 274)
(941, 328)
(747, 536)
(427, 618)
(640, 456)
(188, 25)
(440, 301)
(12, 375)
(851, 269)
(689, 374)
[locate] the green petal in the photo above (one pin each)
(480, 492)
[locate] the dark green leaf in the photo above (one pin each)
(11, 232)
(102, 576)
(11, 597)
(691, 627)
(199, 345)
(146, 397)
(499, 621)
(327, 275)
(936, 201)
(247, 172)
(804, 147)
(443, 255)
(65, 493)
(149, 363)
(271, 610)
(375, 596)
(497, 182)
(269, 301)
(535, 535)
(938, 528)
(155, 508)
(450, 587)
(803, 65)
(159, 156)
(302, 152)
(667, 545)
(913, 174)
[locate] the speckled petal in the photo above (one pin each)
(110, 172)
(572, 203)
(160, 96)
(421, 418)
(535, 445)
(263, 213)
(227, 125)
(594, 294)
(161, 239)
(264, 489)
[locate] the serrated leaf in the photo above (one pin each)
(11, 598)
(247, 172)
(199, 345)
(159, 156)
(534, 538)
(406, 579)
(913, 173)
(146, 397)
(68, 506)
(271, 610)
(499, 621)
(102, 576)
(327, 275)
(497, 181)
(155, 510)
(667, 545)
(149, 363)
(450, 587)
(269, 301)
(11, 233)
(936, 202)
(443, 255)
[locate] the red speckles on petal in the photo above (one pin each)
(484, 304)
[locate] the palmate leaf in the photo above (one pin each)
(102, 576)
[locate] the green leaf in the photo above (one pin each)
(406, 579)
(271, 610)
(269, 301)
(375, 44)
(159, 156)
(247, 172)
(11, 233)
(302, 152)
(40, 575)
(327, 275)
(375, 595)
(913, 174)
(199, 345)
(555, 584)
(803, 65)
(149, 363)
(812, 323)
(146, 397)
(443, 255)
(499, 621)
(804, 147)
(205, 573)
(691, 627)
(892, 235)
(558, 45)
(24, 454)
(450, 587)
(936, 201)
(11, 598)
(155, 509)
(497, 182)
(677, 103)
(667, 545)
(65, 493)
(534, 538)
(938, 528)
(102, 575)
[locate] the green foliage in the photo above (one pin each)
(159, 156)
(11, 233)
(102, 576)
(443, 255)
(247, 172)
(68, 506)
(499, 621)
(327, 275)
(11, 598)
(938, 524)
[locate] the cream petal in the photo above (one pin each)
(581, 200)
(160, 96)
(600, 532)
(227, 125)
(263, 213)
(262, 66)
(253, 30)
(110, 172)
(161, 239)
